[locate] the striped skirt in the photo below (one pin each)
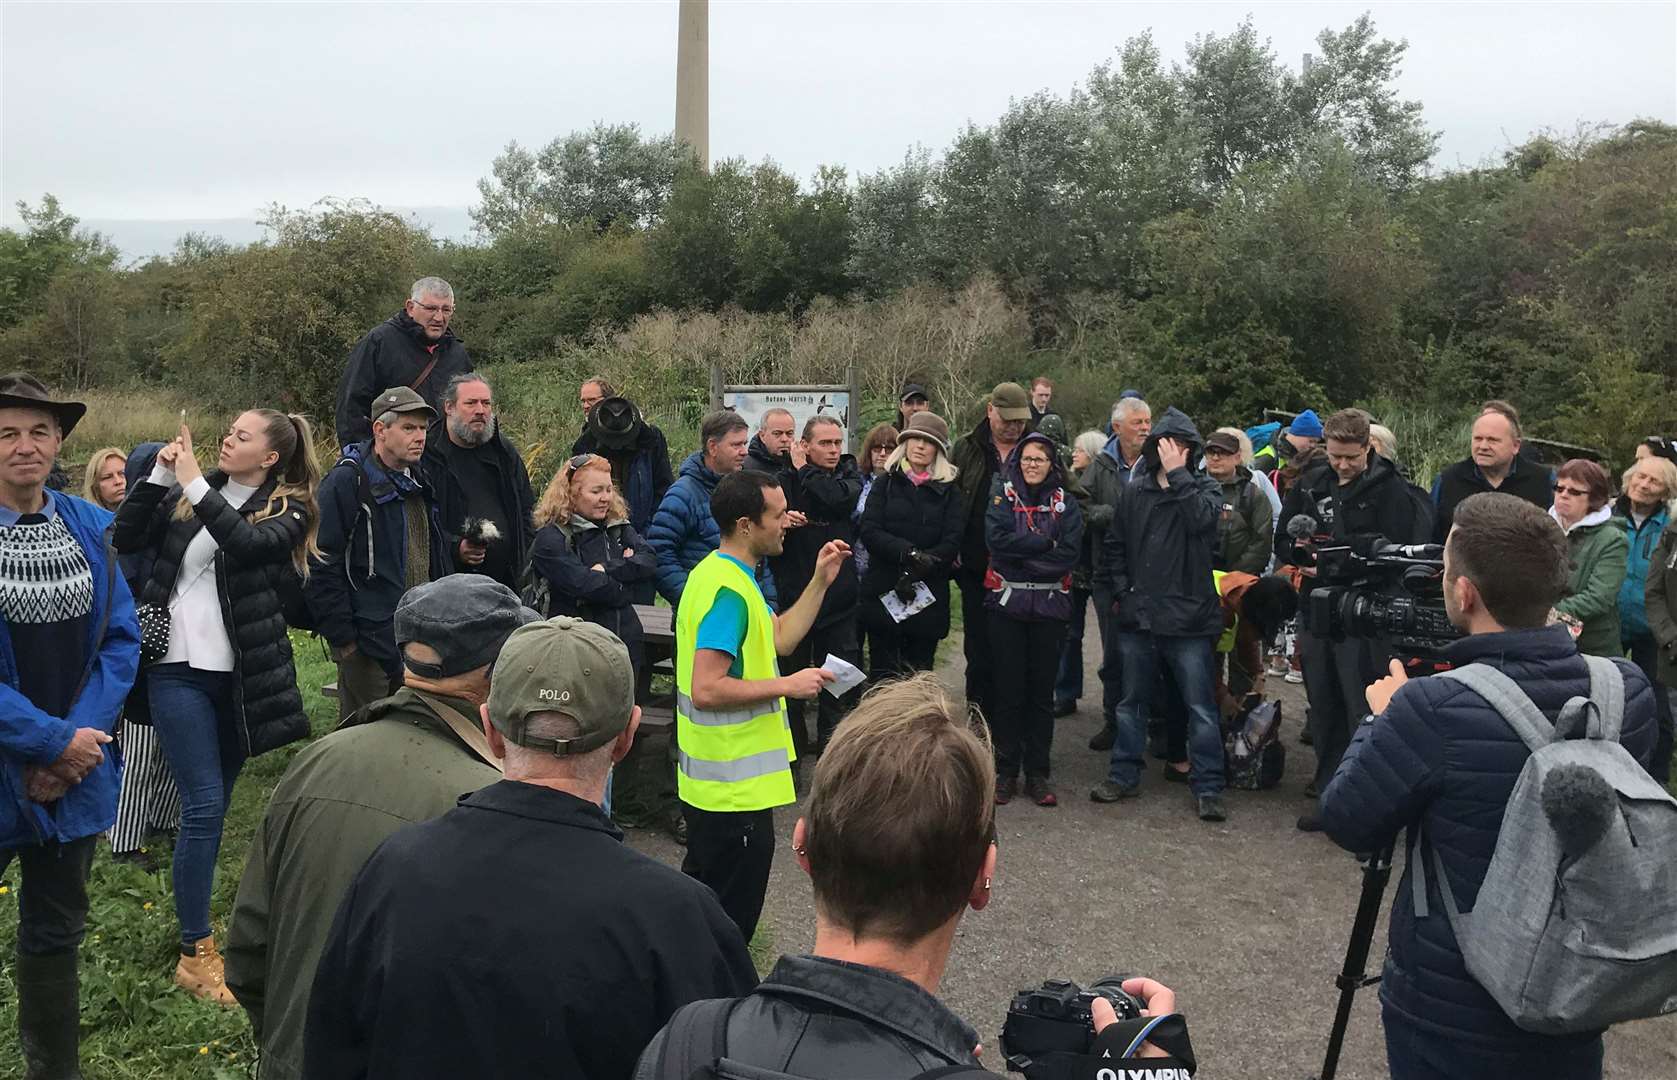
(149, 800)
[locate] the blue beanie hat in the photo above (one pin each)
(1129, 394)
(1306, 425)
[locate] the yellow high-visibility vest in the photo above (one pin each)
(738, 759)
(1226, 642)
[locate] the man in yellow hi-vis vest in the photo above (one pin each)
(734, 764)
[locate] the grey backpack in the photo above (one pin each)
(1575, 927)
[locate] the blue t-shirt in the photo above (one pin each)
(723, 626)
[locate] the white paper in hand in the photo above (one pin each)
(845, 675)
(899, 611)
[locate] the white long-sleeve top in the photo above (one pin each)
(197, 630)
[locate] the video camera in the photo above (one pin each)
(1392, 593)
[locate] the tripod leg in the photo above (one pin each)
(1354, 976)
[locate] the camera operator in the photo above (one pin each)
(898, 841)
(1355, 498)
(1437, 756)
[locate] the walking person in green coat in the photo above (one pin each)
(1599, 551)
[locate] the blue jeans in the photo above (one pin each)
(1068, 686)
(1414, 1054)
(193, 713)
(1190, 661)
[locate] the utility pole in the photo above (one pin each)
(692, 79)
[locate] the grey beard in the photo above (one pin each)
(465, 435)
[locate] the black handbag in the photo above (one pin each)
(154, 623)
(154, 632)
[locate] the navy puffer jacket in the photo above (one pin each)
(1439, 756)
(683, 532)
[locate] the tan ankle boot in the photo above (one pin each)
(201, 974)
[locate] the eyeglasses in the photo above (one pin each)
(1033, 461)
(445, 310)
(1577, 493)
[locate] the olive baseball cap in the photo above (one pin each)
(1011, 401)
(567, 666)
(399, 399)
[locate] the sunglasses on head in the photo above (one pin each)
(579, 461)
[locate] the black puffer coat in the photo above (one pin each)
(268, 708)
(901, 517)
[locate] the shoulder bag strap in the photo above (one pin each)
(426, 373)
(470, 734)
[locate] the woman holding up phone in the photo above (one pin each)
(224, 687)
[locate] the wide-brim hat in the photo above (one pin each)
(928, 426)
(21, 390)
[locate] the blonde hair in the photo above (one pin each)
(1667, 476)
(555, 505)
(943, 470)
(901, 812)
(1243, 439)
(296, 477)
(1385, 442)
(96, 463)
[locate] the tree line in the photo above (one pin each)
(1218, 231)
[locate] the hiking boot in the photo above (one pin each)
(678, 826)
(1111, 791)
(1006, 788)
(1103, 739)
(1311, 822)
(200, 973)
(1064, 708)
(1175, 775)
(1037, 789)
(1211, 808)
(48, 1016)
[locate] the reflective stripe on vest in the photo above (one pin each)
(730, 759)
(747, 768)
(1226, 642)
(714, 718)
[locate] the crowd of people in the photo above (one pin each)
(488, 641)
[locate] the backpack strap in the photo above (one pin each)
(1511, 703)
(1602, 714)
(695, 1039)
(1520, 713)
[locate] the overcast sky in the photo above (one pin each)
(143, 110)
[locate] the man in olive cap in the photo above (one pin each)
(516, 935)
(380, 535)
(979, 456)
(404, 759)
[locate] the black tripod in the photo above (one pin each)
(1353, 977)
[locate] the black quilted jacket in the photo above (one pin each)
(268, 707)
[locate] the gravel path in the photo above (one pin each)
(1246, 920)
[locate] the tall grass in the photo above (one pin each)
(1428, 440)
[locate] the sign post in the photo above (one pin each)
(838, 400)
